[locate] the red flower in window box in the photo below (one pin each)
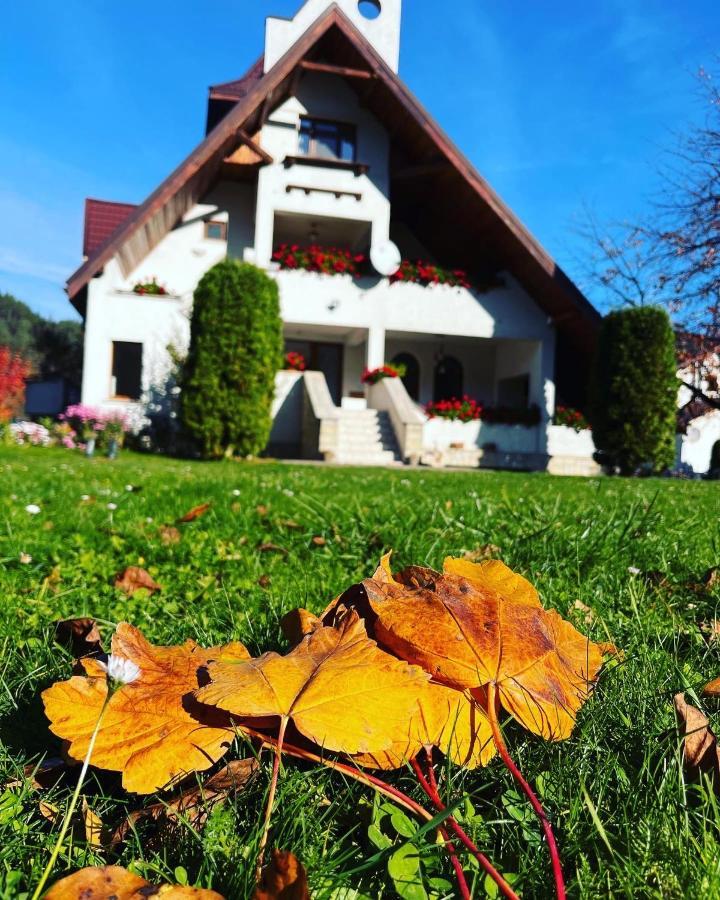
(314, 258)
(295, 362)
(388, 370)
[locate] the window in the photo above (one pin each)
(327, 140)
(217, 231)
(126, 370)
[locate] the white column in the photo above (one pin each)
(544, 376)
(375, 355)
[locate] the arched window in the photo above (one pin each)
(448, 379)
(411, 378)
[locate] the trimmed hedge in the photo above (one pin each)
(635, 390)
(236, 347)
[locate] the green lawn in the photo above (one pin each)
(628, 823)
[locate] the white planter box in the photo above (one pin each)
(440, 434)
(565, 441)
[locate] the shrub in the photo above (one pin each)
(634, 391)
(13, 372)
(236, 347)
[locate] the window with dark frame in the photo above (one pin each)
(325, 139)
(216, 231)
(127, 370)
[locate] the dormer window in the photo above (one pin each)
(325, 139)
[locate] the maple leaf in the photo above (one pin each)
(118, 883)
(283, 878)
(134, 579)
(340, 690)
(448, 720)
(481, 625)
(152, 730)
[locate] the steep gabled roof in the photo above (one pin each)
(102, 219)
(432, 183)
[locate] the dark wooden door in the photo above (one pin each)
(322, 357)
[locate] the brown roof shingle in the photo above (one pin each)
(102, 219)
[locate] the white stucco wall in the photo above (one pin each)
(325, 97)
(382, 32)
(115, 313)
(696, 445)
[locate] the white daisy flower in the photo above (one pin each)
(288, 492)
(121, 670)
(112, 506)
(236, 493)
(85, 498)
(25, 559)
(32, 508)
(633, 570)
(129, 488)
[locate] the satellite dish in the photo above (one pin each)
(386, 258)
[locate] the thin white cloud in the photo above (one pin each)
(18, 263)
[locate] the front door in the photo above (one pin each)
(322, 357)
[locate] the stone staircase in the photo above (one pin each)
(365, 438)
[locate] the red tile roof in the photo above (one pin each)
(102, 219)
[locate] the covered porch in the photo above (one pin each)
(515, 374)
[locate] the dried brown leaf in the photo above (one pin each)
(284, 878)
(135, 578)
(80, 636)
(700, 749)
(319, 540)
(264, 581)
(272, 548)
(194, 804)
(712, 688)
(169, 534)
(194, 513)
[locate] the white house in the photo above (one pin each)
(320, 143)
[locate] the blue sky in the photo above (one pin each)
(560, 105)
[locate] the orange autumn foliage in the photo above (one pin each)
(152, 731)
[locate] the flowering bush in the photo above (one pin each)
(295, 362)
(389, 370)
(428, 273)
(328, 260)
(150, 287)
(31, 433)
(469, 410)
(90, 422)
(13, 372)
(465, 410)
(571, 418)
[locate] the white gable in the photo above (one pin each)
(382, 31)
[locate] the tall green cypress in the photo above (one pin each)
(635, 390)
(236, 346)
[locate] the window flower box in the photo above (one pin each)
(314, 258)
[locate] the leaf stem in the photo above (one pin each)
(73, 802)
(462, 884)
(357, 774)
(430, 788)
(527, 790)
(271, 798)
